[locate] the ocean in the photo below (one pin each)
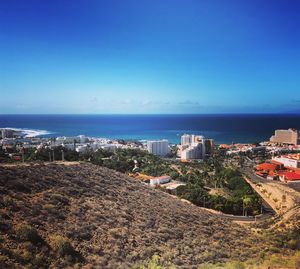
(225, 128)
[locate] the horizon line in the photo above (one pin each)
(150, 114)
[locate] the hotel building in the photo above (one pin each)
(290, 136)
(192, 147)
(186, 139)
(158, 147)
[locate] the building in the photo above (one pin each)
(158, 147)
(209, 146)
(66, 140)
(194, 147)
(193, 152)
(110, 147)
(267, 167)
(186, 139)
(83, 139)
(290, 160)
(290, 136)
(269, 170)
(289, 176)
(159, 180)
(6, 133)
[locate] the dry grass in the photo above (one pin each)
(109, 220)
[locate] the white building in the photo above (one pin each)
(83, 139)
(290, 136)
(111, 147)
(291, 160)
(192, 147)
(194, 151)
(159, 180)
(158, 147)
(82, 148)
(186, 139)
(6, 133)
(69, 146)
(66, 140)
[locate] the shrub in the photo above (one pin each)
(61, 245)
(3, 260)
(235, 265)
(8, 201)
(25, 232)
(39, 261)
(293, 244)
(155, 263)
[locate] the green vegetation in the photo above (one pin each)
(204, 179)
(123, 161)
(155, 263)
(43, 154)
(241, 200)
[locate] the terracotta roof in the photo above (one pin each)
(260, 174)
(290, 175)
(267, 166)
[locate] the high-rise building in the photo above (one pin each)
(7, 133)
(194, 151)
(290, 136)
(158, 147)
(209, 146)
(186, 139)
(192, 147)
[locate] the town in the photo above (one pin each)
(250, 183)
(276, 159)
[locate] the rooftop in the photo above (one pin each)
(267, 166)
(295, 156)
(290, 175)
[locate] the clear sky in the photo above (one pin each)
(154, 56)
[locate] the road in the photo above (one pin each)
(277, 195)
(253, 180)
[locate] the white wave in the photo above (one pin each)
(31, 132)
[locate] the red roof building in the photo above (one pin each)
(267, 167)
(289, 176)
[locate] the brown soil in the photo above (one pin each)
(111, 220)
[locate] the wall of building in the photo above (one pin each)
(195, 147)
(160, 180)
(289, 136)
(159, 147)
(288, 162)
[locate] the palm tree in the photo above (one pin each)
(247, 201)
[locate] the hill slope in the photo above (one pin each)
(59, 215)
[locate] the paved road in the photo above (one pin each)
(251, 178)
(273, 192)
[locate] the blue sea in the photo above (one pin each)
(225, 128)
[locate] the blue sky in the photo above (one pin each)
(170, 56)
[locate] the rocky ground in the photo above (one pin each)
(53, 215)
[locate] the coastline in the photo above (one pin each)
(224, 129)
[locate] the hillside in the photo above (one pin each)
(80, 214)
